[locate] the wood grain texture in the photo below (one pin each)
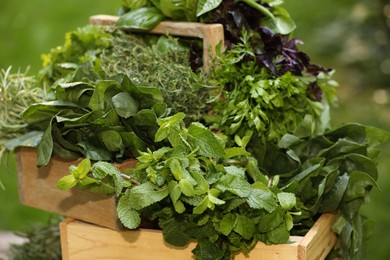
(320, 239)
(80, 241)
(212, 34)
(37, 188)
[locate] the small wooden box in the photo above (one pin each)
(80, 241)
(37, 188)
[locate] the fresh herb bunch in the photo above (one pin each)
(268, 169)
(17, 92)
(197, 190)
(165, 64)
(254, 99)
(43, 242)
(81, 45)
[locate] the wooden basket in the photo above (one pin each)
(37, 188)
(80, 241)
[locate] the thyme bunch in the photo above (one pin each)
(163, 65)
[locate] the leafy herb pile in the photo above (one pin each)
(257, 162)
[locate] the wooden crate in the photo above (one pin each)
(80, 241)
(37, 188)
(211, 34)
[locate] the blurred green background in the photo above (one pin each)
(350, 36)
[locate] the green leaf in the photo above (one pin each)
(228, 223)
(199, 209)
(82, 169)
(173, 232)
(67, 182)
(208, 143)
(174, 9)
(186, 187)
(175, 167)
(112, 140)
(125, 105)
(101, 169)
(262, 198)
(279, 235)
(271, 221)
(235, 151)
(45, 147)
(205, 6)
(145, 195)
(234, 184)
(30, 139)
(213, 194)
(129, 217)
(167, 124)
(244, 226)
(287, 200)
(174, 191)
(142, 19)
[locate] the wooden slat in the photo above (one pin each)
(37, 188)
(320, 239)
(80, 240)
(212, 34)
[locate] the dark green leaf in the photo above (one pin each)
(125, 105)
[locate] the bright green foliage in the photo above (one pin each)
(194, 175)
(257, 101)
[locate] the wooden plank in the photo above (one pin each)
(85, 241)
(212, 34)
(320, 239)
(37, 188)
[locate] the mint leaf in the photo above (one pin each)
(145, 195)
(173, 232)
(82, 169)
(262, 198)
(279, 235)
(129, 217)
(175, 167)
(208, 143)
(287, 200)
(67, 182)
(104, 168)
(167, 124)
(227, 223)
(186, 187)
(244, 226)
